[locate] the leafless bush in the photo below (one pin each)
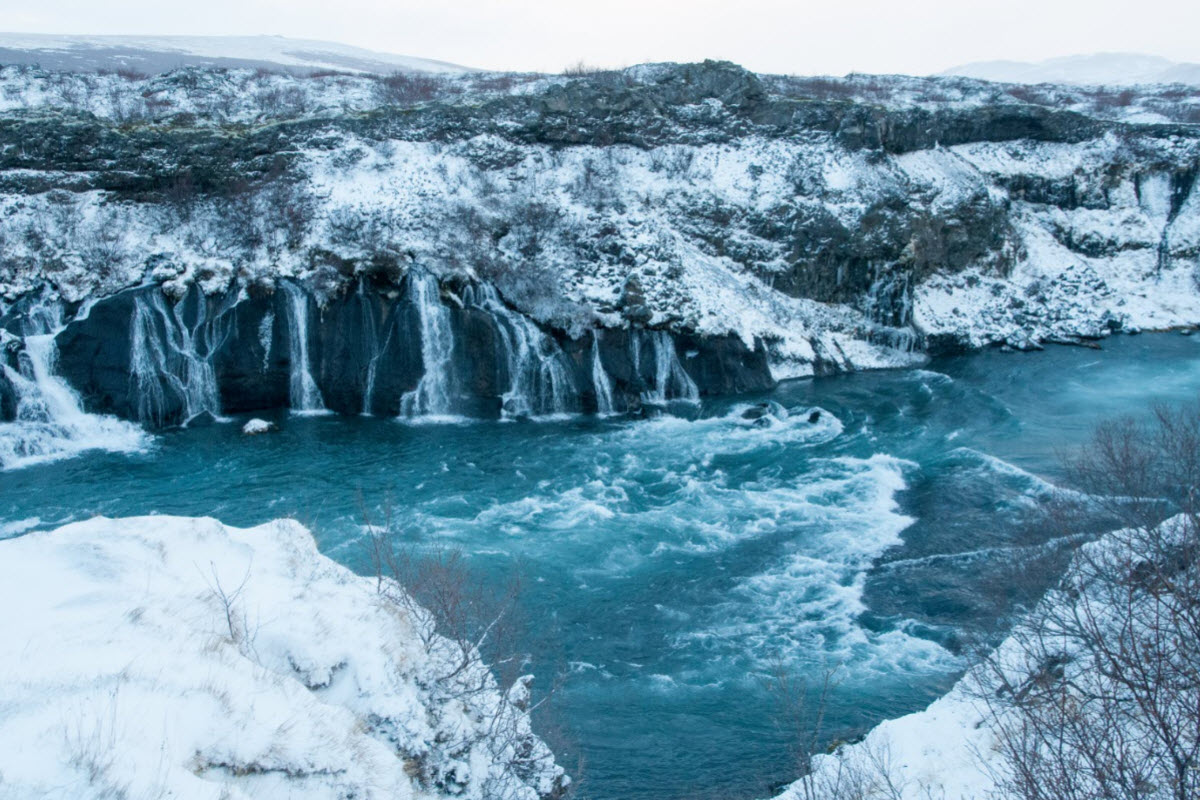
(286, 212)
(1097, 692)
(403, 88)
(473, 630)
(1027, 94)
(864, 771)
(820, 88)
(581, 69)
(1106, 100)
(237, 623)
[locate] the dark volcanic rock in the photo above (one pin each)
(250, 376)
(724, 365)
(94, 356)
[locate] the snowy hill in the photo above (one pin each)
(176, 657)
(1099, 69)
(156, 54)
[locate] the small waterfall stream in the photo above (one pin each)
(304, 395)
(374, 347)
(601, 383)
(50, 421)
(432, 396)
(671, 381)
(266, 336)
(540, 383)
(169, 356)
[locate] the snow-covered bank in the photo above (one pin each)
(164, 656)
(1092, 692)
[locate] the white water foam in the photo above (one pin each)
(50, 421)
(806, 606)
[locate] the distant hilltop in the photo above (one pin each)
(155, 54)
(1100, 69)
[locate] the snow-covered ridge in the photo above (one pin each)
(163, 656)
(1099, 69)
(155, 54)
(849, 223)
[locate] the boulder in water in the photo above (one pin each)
(256, 426)
(814, 416)
(763, 414)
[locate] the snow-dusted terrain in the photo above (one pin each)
(1098, 69)
(155, 54)
(163, 656)
(841, 223)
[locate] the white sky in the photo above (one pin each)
(831, 36)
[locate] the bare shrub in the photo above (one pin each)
(404, 88)
(864, 771)
(233, 614)
(472, 630)
(1097, 692)
(581, 69)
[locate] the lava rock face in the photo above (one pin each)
(831, 224)
(364, 349)
(94, 356)
(724, 365)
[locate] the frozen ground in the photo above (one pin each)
(166, 656)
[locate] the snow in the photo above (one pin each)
(182, 50)
(950, 749)
(707, 230)
(165, 656)
(256, 426)
(1110, 69)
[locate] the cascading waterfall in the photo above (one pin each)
(888, 305)
(540, 382)
(432, 396)
(671, 381)
(50, 421)
(304, 395)
(168, 355)
(601, 383)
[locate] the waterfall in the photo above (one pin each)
(375, 348)
(303, 392)
(671, 381)
(600, 380)
(431, 397)
(539, 380)
(168, 355)
(50, 421)
(266, 337)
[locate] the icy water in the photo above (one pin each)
(669, 565)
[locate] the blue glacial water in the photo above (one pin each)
(669, 565)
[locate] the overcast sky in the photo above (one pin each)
(832, 36)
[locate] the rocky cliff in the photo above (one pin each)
(571, 243)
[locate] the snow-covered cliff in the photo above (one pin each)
(162, 656)
(821, 224)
